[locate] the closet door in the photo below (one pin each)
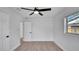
(27, 31)
(4, 32)
(1, 33)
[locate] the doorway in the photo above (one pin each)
(27, 31)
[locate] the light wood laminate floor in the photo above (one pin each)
(38, 46)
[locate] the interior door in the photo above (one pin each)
(0, 32)
(4, 31)
(27, 31)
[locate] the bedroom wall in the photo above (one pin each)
(15, 30)
(42, 29)
(69, 42)
(15, 20)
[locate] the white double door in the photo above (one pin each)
(4, 32)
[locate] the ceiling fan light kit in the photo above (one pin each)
(36, 10)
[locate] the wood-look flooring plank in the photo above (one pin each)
(38, 46)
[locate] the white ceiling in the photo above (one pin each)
(46, 14)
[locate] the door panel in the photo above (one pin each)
(1, 32)
(27, 31)
(4, 31)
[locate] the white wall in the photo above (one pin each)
(66, 41)
(15, 30)
(42, 29)
(15, 20)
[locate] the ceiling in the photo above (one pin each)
(46, 14)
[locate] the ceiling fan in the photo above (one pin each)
(36, 10)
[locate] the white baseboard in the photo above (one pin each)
(15, 47)
(59, 45)
(36, 40)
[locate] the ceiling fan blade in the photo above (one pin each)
(41, 14)
(27, 9)
(31, 13)
(47, 9)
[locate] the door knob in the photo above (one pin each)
(7, 36)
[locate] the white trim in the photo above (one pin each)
(15, 47)
(24, 39)
(59, 45)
